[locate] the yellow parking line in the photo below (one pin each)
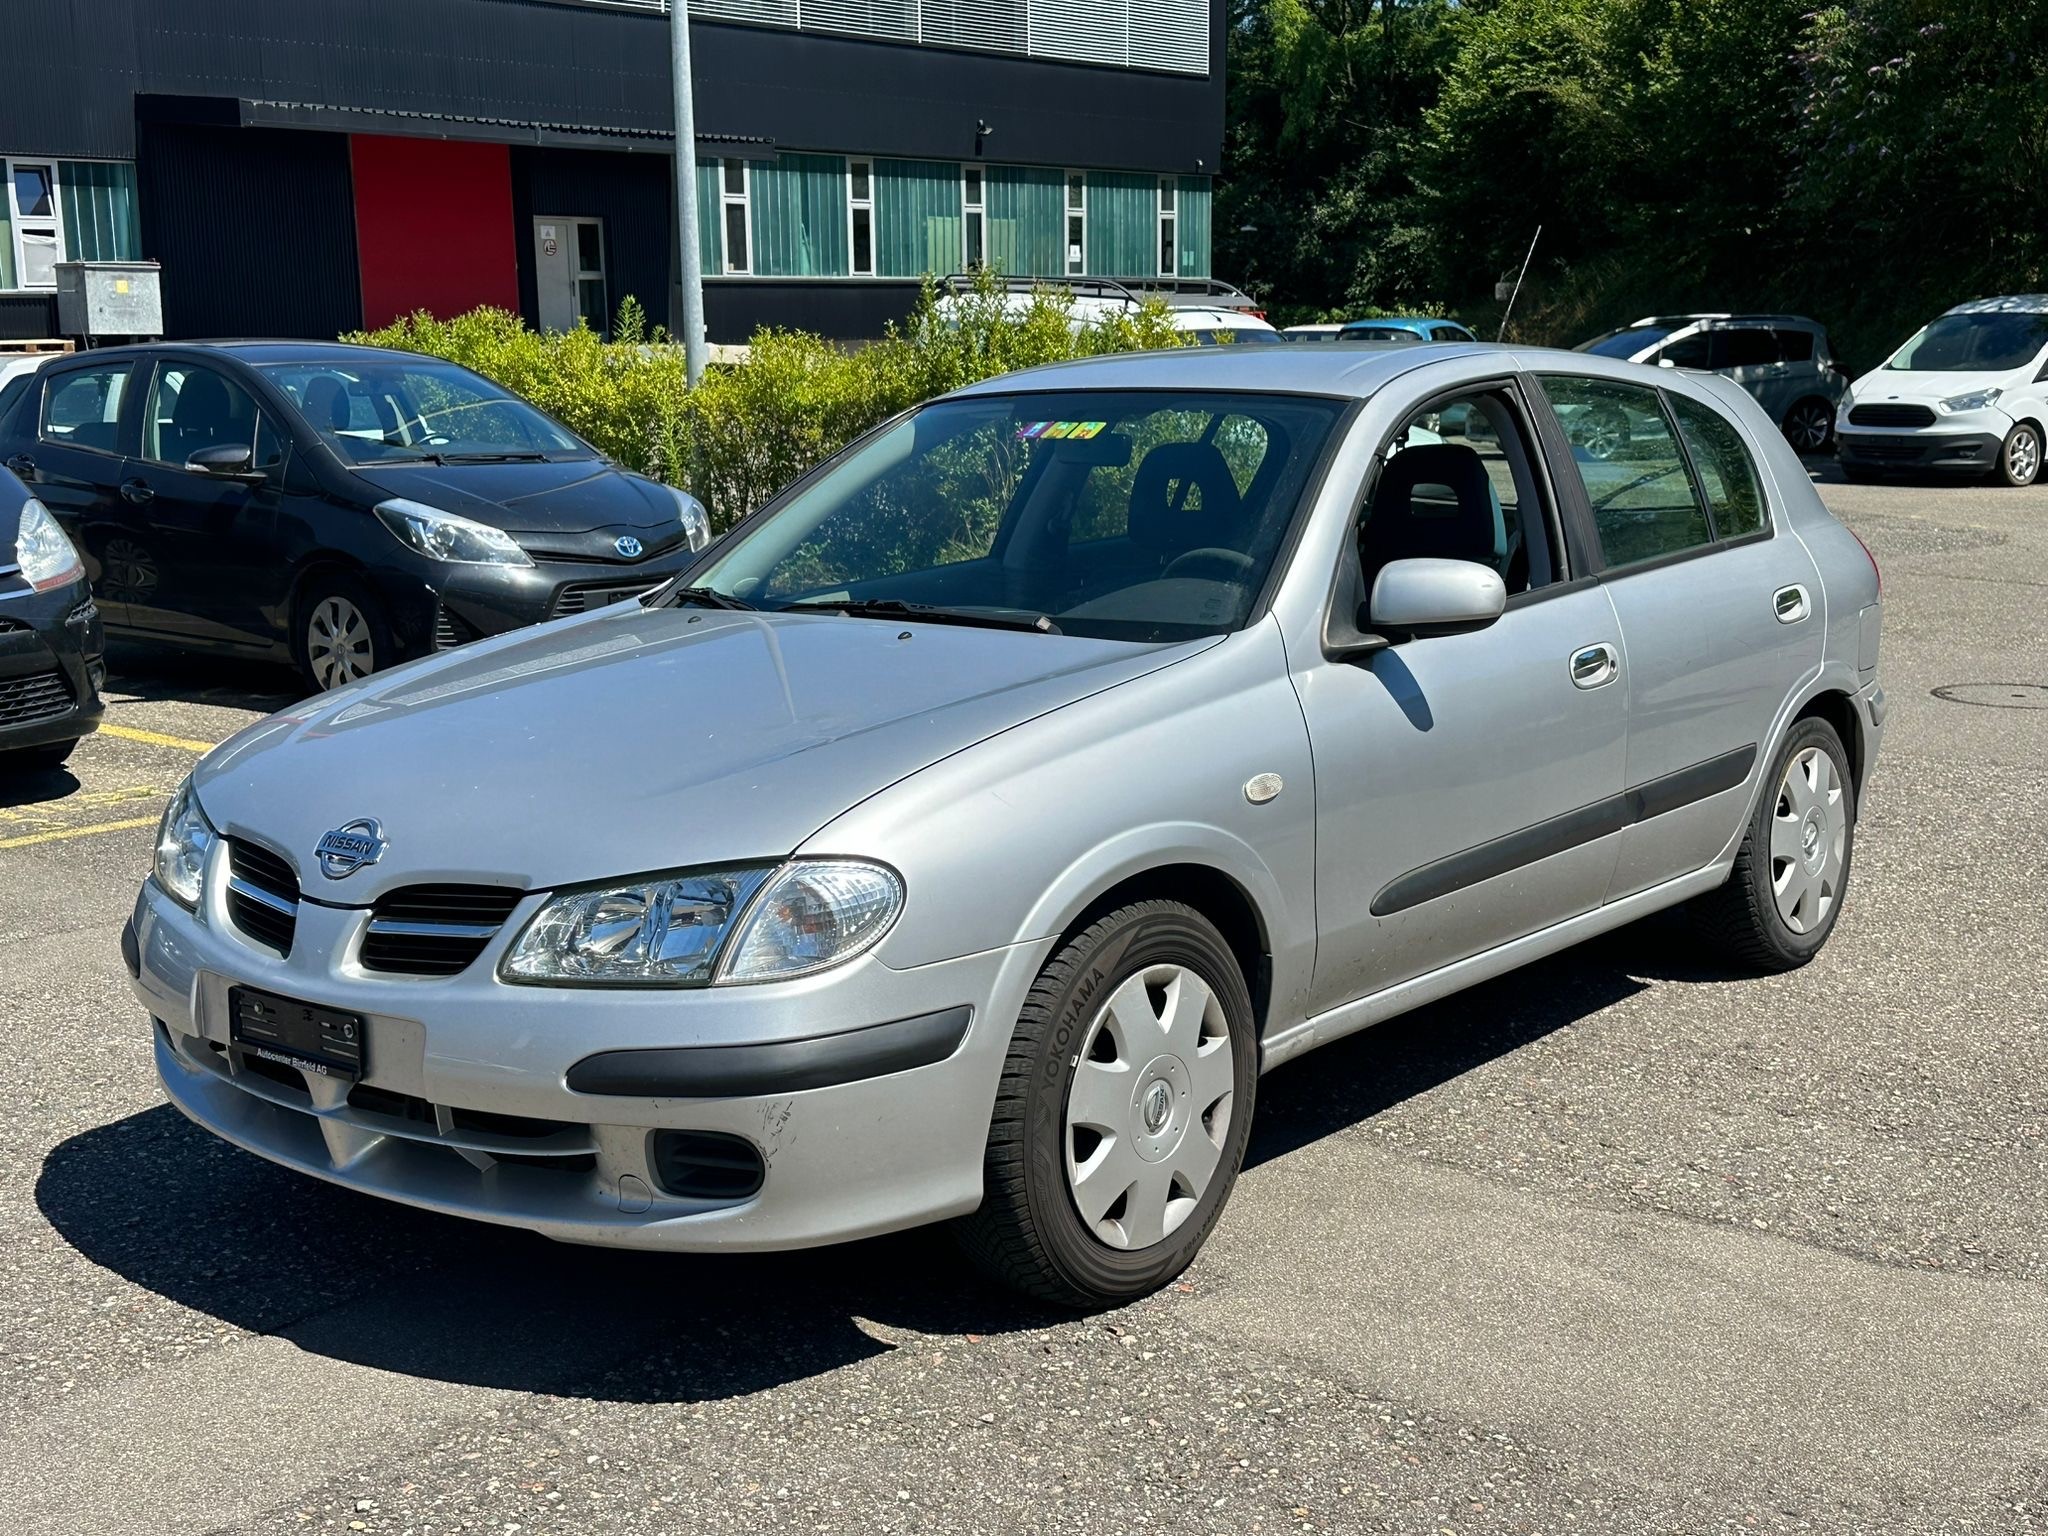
(69, 832)
(157, 739)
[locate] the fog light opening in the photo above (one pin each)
(706, 1165)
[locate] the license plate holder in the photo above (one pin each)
(328, 1042)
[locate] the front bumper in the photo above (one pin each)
(464, 603)
(1970, 453)
(468, 1109)
(52, 663)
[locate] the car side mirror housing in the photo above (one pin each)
(228, 461)
(1665, 362)
(1415, 598)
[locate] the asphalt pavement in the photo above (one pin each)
(1622, 1243)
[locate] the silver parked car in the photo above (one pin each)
(1783, 360)
(978, 820)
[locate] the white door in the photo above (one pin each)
(569, 273)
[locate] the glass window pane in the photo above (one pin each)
(735, 172)
(861, 190)
(589, 248)
(735, 237)
(39, 258)
(1796, 346)
(1750, 348)
(1723, 464)
(970, 185)
(84, 408)
(194, 408)
(1455, 437)
(1166, 196)
(1075, 232)
(35, 192)
(1644, 506)
(863, 241)
(1687, 352)
(590, 303)
(1077, 185)
(974, 253)
(403, 408)
(1166, 247)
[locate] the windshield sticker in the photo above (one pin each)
(1077, 429)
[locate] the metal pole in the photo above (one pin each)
(686, 192)
(1501, 334)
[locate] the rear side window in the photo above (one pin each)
(1796, 346)
(1634, 474)
(82, 408)
(1749, 348)
(1694, 351)
(1726, 475)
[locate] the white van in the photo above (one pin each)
(1967, 395)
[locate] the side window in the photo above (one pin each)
(191, 408)
(1458, 483)
(1449, 333)
(1750, 347)
(82, 408)
(1644, 506)
(1796, 346)
(1694, 351)
(1726, 475)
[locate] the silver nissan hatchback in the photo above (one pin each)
(963, 835)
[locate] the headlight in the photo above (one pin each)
(183, 840)
(696, 521)
(1976, 400)
(443, 536)
(46, 557)
(732, 925)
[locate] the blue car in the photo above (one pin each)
(1405, 328)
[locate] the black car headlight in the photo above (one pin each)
(709, 927)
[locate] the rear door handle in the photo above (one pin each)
(1791, 604)
(137, 492)
(1595, 666)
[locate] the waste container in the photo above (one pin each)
(110, 298)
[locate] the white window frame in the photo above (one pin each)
(853, 205)
(971, 209)
(745, 199)
(1073, 265)
(1167, 235)
(54, 222)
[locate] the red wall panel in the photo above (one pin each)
(433, 226)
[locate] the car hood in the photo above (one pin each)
(1883, 386)
(635, 740)
(578, 496)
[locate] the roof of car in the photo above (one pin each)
(1416, 323)
(254, 351)
(1675, 321)
(2012, 303)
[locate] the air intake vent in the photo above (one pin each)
(707, 1165)
(263, 895)
(24, 700)
(582, 596)
(1891, 416)
(435, 930)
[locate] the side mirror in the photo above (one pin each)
(229, 461)
(1436, 597)
(1665, 362)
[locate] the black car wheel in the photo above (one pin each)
(340, 632)
(1809, 425)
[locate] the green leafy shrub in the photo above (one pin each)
(750, 428)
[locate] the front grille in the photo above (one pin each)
(452, 629)
(263, 894)
(608, 555)
(40, 696)
(435, 930)
(582, 596)
(1891, 416)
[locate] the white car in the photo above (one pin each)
(1089, 301)
(1967, 395)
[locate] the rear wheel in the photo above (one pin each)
(1125, 1105)
(1809, 425)
(2019, 457)
(340, 632)
(1785, 892)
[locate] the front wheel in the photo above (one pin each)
(2019, 457)
(341, 634)
(1785, 892)
(1124, 1109)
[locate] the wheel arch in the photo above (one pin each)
(1839, 710)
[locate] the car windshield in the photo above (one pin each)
(1626, 342)
(416, 410)
(1978, 343)
(1145, 516)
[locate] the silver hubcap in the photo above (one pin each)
(338, 643)
(2023, 455)
(1809, 428)
(1809, 838)
(1149, 1110)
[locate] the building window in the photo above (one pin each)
(860, 213)
(1077, 223)
(972, 224)
(738, 225)
(35, 231)
(1169, 215)
(590, 292)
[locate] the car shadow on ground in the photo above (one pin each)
(39, 786)
(172, 1209)
(159, 675)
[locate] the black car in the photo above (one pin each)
(343, 508)
(52, 646)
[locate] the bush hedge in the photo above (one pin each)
(750, 428)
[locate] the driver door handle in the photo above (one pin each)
(1595, 666)
(137, 492)
(22, 465)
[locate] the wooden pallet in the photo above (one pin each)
(54, 347)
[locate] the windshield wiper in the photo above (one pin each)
(522, 456)
(705, 597)
(925, 613)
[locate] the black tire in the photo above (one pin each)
(43, 759)
(1741, 918)
(1029, 1232)
(313, 610)
(1809, 426)
(2019, 456)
